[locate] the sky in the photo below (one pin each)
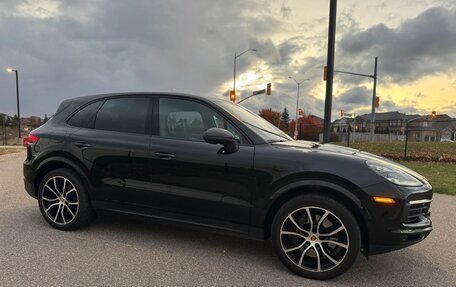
(65, 49)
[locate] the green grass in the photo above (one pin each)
(421, 151)
(442, 176)
(434, 160)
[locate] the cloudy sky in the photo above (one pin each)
(65, 49)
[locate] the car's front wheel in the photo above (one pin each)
(316, 236)
(63, 200)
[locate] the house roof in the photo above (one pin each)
(387, 116)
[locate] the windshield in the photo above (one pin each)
(260, 126)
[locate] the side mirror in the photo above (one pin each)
(223, 137)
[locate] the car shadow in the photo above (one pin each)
(392, 269)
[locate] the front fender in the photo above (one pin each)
(352, 197)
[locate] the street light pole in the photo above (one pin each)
(17, 98)
(235, 58)
(297, 106)
(374, 94)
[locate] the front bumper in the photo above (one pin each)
(405, 223)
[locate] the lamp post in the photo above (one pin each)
(9, 70)
(297, 105)
(234, 74)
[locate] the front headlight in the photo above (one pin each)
(393, 174)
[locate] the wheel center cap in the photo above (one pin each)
(313, 238)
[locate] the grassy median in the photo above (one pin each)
(434, 160)
(417, 151)
(442, 176)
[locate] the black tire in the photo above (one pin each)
(68, 214)
(316, 244)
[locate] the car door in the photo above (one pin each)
(188, 175)
(114, 146)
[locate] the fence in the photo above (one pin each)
(365, 137)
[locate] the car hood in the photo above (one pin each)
(354, 153)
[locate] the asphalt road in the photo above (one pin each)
(123, 252)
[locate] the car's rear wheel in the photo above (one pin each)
(316, 237)
(63, 200)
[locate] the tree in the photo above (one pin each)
(285, 120)
(309, 127)
(271, 116)
(15, 121)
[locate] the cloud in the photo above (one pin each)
(419, 47)
(65, 49)
(90, 47)
(356, 96)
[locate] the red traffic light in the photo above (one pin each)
(233, 96)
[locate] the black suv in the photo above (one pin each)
(215, 165)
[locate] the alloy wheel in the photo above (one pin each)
(314, 239)
(60, 200)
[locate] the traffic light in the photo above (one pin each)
(325, 72)
(377, 102)
(433, 115)
(268, 89)
(300, 111)
(341, 113)
(233, 96)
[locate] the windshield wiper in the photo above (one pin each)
(265, 130)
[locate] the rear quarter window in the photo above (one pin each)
(85, 117)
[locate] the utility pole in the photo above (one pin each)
(330, 69)
(374, 96)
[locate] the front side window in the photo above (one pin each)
(260, 126)
(128, 115)
(186, 119)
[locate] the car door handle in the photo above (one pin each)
(164, 155)
(82, 145)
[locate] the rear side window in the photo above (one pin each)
(127, 115)
(85, 117)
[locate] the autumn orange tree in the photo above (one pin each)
(309, 127)
(271, 116)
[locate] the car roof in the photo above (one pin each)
(108, 95)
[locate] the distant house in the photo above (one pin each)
(385, 123)
(427, 129)
(341, 125)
